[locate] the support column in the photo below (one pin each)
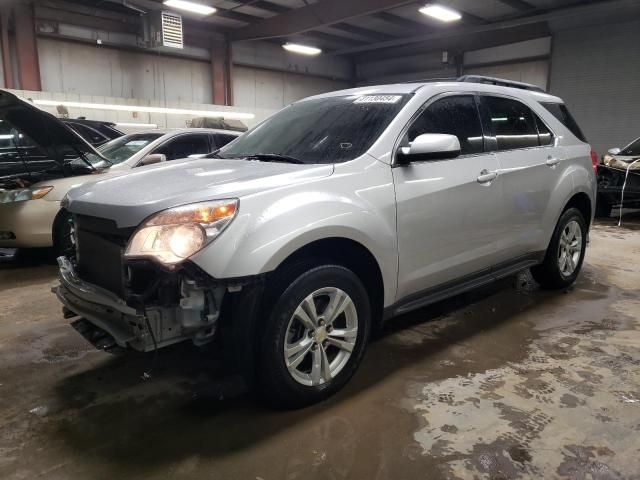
(27, 48)
(221, 73)
(7, 68)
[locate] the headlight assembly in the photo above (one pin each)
(22, 194)
(177, 233)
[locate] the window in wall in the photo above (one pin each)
(455, 115)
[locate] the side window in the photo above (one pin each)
(544, 134)
(88, 133)
(222, 139)
(455, 115)
(185, 145)
(513, 123)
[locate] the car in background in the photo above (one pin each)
(96, 132)
(620, 167)
(41, 158)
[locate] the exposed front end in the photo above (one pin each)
(134, 303)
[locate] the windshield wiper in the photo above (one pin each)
(272, 157)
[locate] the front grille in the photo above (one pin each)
(100, 248)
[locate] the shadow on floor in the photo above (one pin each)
(190, 408)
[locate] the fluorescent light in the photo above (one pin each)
(303, 49)
(444, 14)
(136, 108)
(137, 125)
(192, 7)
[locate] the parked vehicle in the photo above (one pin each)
(41, 158)
(333, 215)
(618, 166)
(94, 131)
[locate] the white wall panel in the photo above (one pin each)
(596, 70)
(94, 70)
(536, 72)
(264, 89)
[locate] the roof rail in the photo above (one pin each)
(500, 81)
(429, 80)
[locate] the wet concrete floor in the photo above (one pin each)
(506, 382)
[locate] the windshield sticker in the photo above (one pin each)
(379, 99)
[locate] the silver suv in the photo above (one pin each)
(296, 241)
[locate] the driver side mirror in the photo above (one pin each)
(430, 146)
(613, 151)
(153, 158)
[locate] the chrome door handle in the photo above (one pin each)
(486, 176)
(552, 161)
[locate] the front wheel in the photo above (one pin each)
(565, 254)
(315, 337)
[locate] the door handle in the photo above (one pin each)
(552, 161)
(486, 176)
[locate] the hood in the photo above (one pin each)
(52, 142)
(129, 199)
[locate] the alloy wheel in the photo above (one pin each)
(570, 248)
(321, 336)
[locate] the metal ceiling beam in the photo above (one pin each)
(363, 32)
(519, 5)
(322, 14)
(334, 39)
(555, 14)
(398, 21)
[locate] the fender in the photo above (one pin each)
(283, 221)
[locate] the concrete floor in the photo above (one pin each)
(507, 382)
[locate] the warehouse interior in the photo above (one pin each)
(508, 381)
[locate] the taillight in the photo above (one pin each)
(594, 160)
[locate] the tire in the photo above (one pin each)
(551, 274)
(603, 207)
(63, 236)
(318, 367)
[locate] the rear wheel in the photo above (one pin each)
(315, 337)
(566, 251)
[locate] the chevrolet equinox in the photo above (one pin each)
(294, 242)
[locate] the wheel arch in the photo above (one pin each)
(350, 254)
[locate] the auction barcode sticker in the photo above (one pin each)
(378, 99)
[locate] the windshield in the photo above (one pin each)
(123, 148)
(632, 149)
(324, 130)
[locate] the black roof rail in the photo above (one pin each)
(429, 80)
(500, 82)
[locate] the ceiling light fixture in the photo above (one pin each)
(136, 108)
(444, 14)
(192, 7)
(303, 49)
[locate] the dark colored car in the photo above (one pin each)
(619, 166)
(95, 132)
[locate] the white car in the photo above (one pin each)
(30, 216)
(339, 212)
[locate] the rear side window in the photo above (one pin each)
(561, 112)
(455, 115)
(513, 123)
(633, 149)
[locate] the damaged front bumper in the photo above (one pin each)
(107, 320)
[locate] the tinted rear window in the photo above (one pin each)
(513, 123)
(632, 149)
(561, 112)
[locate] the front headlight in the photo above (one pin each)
(176, 234)
(22, 194)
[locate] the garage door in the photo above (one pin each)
(536, 72)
